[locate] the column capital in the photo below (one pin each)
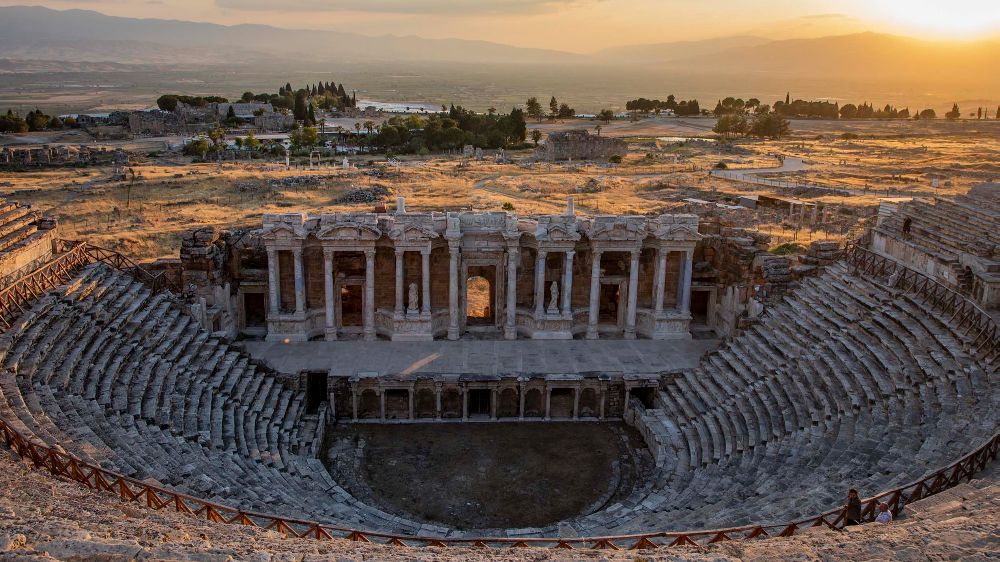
(370, 254)
(399, 252)
(328, 252)
(635, 253)
(425, 251)
(570, 253)
(297, 251)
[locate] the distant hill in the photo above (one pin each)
(31, 32)
(656, 53)
(861, 56)
(81, 36)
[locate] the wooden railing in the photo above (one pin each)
(73, 256)
(974, 322)
(134, 491)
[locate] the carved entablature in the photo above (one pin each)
(556, 232)
(617, 232)
(681, 229)
(483, 222)
(284, 231)
(413, 230)
(346, 228)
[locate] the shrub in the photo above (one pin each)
(849, 136)
(616, 159)
(788, 249)
(507, 206)
(720, 165)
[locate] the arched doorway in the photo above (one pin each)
(478, 302)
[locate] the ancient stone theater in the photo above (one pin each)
(739, 393)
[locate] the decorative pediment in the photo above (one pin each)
(557, 232)
(413, 232)
(288, 226)
(617, 229)
(349, 231)
(676, 227)
(283, 232)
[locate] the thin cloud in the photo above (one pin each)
(412, 7)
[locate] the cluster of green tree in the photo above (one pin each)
(733, 106)
(868, 111)
(454, 130)
(683, 107)
(12, 122)
(811, 109)
(556, 110)
(761, 124)
(168, 102)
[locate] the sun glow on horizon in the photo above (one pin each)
(954, 19)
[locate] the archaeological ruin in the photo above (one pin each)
(579, 144)
(761, 386)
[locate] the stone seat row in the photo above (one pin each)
(846, 383)
(122, 377)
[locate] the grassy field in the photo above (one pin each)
(171, 194)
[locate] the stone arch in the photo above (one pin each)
(425, 404)
(368, 405)
(534, 406)
(588, 403)
(451, 403)
(508, 403)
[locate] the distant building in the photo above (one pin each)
(244, 111)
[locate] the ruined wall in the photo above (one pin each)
(579, 145)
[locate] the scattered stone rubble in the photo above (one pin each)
(371, 194)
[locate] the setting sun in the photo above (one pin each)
(958, 19)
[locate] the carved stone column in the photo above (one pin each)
(409, 395)
(576, 403)
(331, 320)
(510, 326)
(548, 402)
(453, 291)
(595, 295)
(494, 393)
(300, 282)
(354, 402)
(437, 401)
(369, 321)
(520, 396)
(273, 281)
(633, 289)
(659, 279)
(540, 285)
(425, 281)
(567, 286)
(398, 309)
(465, 403)
(381, 403)
(688, 270)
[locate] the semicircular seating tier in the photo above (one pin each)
(846, 383)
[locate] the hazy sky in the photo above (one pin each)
(580, 25)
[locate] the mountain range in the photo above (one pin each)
(31, 33)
